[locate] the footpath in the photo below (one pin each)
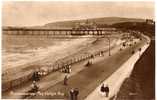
(116, 79)
(88, 79)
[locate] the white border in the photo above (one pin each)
(82, 1)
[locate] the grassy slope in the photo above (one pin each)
(104, 20)
(71, 23)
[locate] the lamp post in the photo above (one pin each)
(109, 46)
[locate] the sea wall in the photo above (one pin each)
(116, 79)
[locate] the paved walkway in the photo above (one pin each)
(88, 79)
(116, 79)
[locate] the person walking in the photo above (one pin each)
(69, 68)
(35, 76)
(76, 92)
(34, 86)
(107, 90)
(65, 80)
(102, 89)
(72, 94)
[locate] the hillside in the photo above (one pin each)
(104, 20)
(144, 27)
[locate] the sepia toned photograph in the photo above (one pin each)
(78, 50)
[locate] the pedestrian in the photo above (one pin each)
(101, 53)
(76, 92)
(34, 86)
(69, 69)
(92, 56)
(72, 94)
(88, 63)
(65, 80)
(35, 76)
(107, 90)
(102, 89)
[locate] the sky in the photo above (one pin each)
(33, 13)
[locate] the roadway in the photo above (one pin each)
(89, 78)
(83, 78)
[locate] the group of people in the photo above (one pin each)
(36, 76)
(104, 90)
(88, 63)
(34, 87)
(66, 69)
(73, 92)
